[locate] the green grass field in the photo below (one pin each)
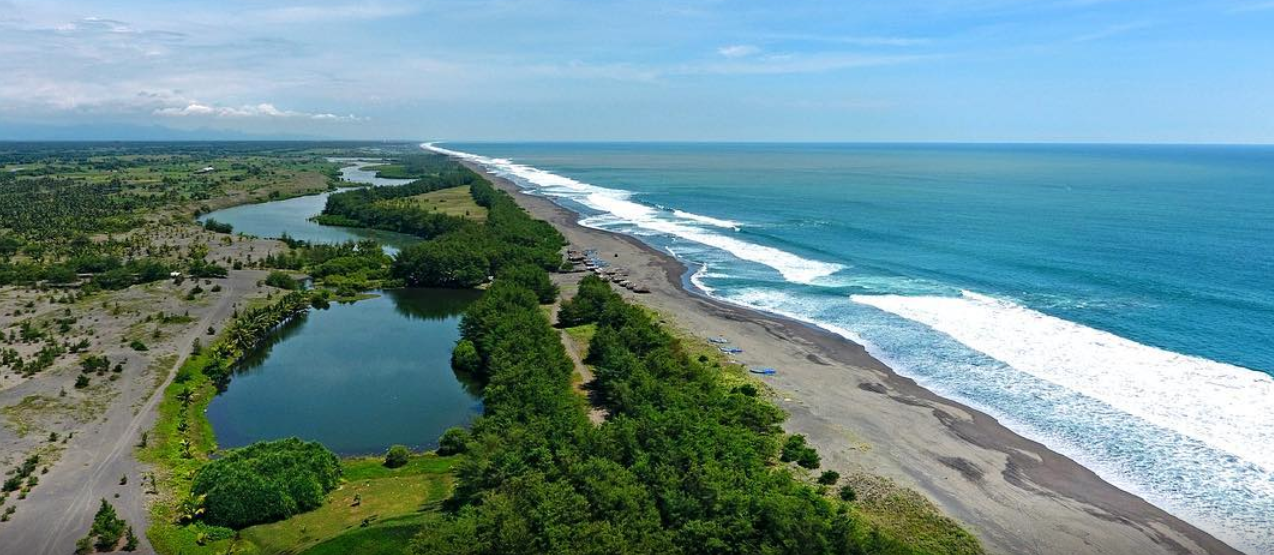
(455, 201)
(392, 503)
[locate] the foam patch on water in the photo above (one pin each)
(728, 224)
(1224, 406)
(618, 204)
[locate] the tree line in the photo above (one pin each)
(685, 462)
(458, 252)
(368, 206)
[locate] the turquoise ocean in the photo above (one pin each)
(1115, 303)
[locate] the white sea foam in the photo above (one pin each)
(1227, 407)
(728, 224)
(619, 204)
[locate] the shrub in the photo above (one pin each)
(281, 280)
(216, 226)
(397, 456)
(465, 358)
(266, 482)
(137, 345)
(108, 528)
(848, 494)
(792, 448)
(453, 442)
(828, 477)
(809, 459)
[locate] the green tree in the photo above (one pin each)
(397, 456)
(265, 482)
(282, 280)
(453, 442)
(464, 358)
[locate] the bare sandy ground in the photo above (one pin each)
(1016, 495)
(107, 420)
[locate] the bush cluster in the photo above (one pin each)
(266, 482)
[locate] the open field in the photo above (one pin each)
(376, 506)
(455, 201)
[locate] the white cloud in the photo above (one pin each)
(793, 63)
(263, 110)
(334, 12)
(738, 50)
(855, 40)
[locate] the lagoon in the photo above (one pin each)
(356, 377)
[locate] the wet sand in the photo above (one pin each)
(1015, 494)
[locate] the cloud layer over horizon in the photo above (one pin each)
(939, 70)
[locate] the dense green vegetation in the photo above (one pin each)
(459, 252)
(372, 206)
(466, 257)
(587, 305)
(413, 166)
(265, 482)
(684, 464)
(346, 268)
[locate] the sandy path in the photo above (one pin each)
(1016, 495)
(60, 510)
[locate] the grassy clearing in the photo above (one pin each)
(455, 201)
(909, 516)
(582, 334)
(391, 506)
(389, 537)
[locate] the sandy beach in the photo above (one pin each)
(1015, 494)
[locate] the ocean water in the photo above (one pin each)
(1113, 302)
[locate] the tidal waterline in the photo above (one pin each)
(356, 377)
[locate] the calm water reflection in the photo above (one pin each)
(356, 377)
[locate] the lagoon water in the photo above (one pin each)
(292, 216)
(356, 377)
(1113, 302)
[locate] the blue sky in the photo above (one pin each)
(902, 70)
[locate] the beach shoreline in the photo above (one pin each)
(1015, 494)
